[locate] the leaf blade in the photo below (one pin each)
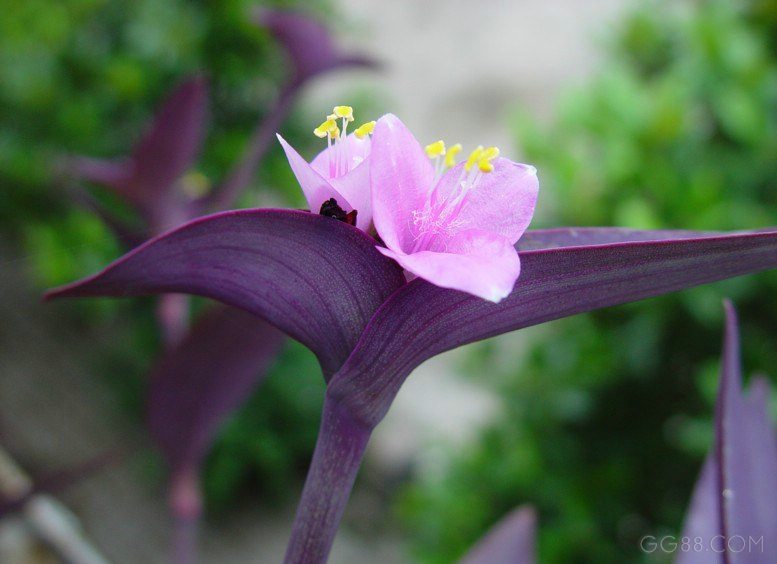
(315, 278)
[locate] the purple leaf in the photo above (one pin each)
(317, 279)
(422, 320)
(162, 155)
(558, 237)
(746, 447)
(112, 174)
(171, 144)
(203, 379)
(733, 510)
(510, 541)
(703, 518)
(308, 43)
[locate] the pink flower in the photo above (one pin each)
(340, 172)
(456, 228)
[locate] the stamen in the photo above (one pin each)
(327, 128)
(473, 158)
(436, 149)
(450, 156)
(365, 129)
(488, 155)
(345, 112)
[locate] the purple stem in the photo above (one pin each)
(336, 460)
(186, 509)
(172, 312)
(225, 194)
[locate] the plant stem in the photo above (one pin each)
(342, 440)
(186, 509)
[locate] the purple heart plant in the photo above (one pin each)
(209, 370)
(444, 261)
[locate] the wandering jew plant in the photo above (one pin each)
(439, 269)
(208, 370)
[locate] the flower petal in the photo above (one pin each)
(356, 150)
(502, 201)
(478, 262)
(317, 190)
(401, 176)
(354, 186)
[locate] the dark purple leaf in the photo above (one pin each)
(309, 44)
(510, 541)
(317, 279)
(746, 446)
(539, 239)
(170, 146)
(208, 375)
(733, 510)
(422, 320)
(112, 174)
(703, 518)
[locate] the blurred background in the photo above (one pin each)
(658, 114)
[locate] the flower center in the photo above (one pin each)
(441, 212)
(341, 159)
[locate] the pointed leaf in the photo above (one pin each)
(747, 448)
(558, 237)
(703, 518)
(201, 381)
(170, 146)
(510, 541)
(315, 278)
(422, 320)
(732, 511)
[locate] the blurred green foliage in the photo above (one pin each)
(85, 77)
(606, 418)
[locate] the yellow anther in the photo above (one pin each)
(365, 129)
(486, 156)
(490, 153)
(485, 166)
(345, 112)
(328, 127)
(325, 128)
(450, 156)
(473, 158)
(436, 149)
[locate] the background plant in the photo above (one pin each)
(604, 411)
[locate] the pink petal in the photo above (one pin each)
(354, 149)
(317, 190)
(478, 262)
(355, 187)
(503, 201)
(401, 176)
